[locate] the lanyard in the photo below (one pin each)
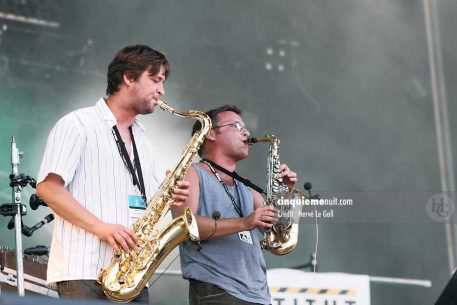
(137, 181)
(237, 206)
(234, 175)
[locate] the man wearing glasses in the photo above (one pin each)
(228, 266)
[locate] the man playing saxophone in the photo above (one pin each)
(98, 170)
(228, 267)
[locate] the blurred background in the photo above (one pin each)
(360, 93)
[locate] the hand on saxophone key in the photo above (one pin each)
(261, 217)
(117, 236)
(289, 177)
(180, 192)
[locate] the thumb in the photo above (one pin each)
(167, 172)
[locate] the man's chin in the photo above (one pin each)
(146, 111)
(243, 156)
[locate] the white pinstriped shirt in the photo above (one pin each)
(82, 150)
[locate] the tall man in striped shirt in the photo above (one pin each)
(98, 170)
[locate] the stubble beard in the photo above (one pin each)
(144, 106)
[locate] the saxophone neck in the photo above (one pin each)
(190, 150)
(198, 115)
(267, 139)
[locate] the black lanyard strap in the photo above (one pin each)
(237, 206)
(137, 181)
(235, 175)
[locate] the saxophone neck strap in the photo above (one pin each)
(234, 175)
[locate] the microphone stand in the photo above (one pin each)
(17, 187)
(312, 264)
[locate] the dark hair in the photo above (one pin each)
(134, 60)
(213, 116)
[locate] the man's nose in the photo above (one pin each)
(246, 132)
(161, 90)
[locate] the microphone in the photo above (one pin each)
(38, 250)
(36, 201)
(308, 186)
(216, 215)
(11, 223)
(29, 231)
(22, 180)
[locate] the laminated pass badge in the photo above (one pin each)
(245, 236)
(137, 205)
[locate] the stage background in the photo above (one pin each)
(344, 84)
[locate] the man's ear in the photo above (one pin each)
(211, 136)
(128, 80)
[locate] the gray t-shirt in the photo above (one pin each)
(234, 262)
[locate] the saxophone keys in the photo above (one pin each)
(152, 244)
(125, 265)
(264, 245)
(129, 282)
(147, 249)
(140, 263)
(114, 286)
(146, 229)
(141, 240)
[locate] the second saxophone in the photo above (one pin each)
(282, 237)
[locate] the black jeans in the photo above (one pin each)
(91, 290)
(201, 293)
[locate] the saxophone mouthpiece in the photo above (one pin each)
(164, 106)
(251, 141)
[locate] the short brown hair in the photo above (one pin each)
(213, 116)
(134, 60)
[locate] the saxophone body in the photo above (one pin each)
(128, 273)
(282, 237)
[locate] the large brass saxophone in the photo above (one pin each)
(127, 274)
(282, 237)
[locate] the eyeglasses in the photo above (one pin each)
(237, 125)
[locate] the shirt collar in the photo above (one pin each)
(109, 117)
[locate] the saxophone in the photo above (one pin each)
(128, 273)
(282, 237)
